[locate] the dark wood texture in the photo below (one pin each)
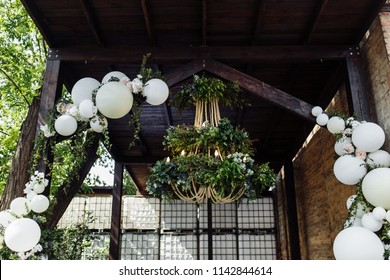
(116, 217)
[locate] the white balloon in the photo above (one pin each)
(368, 137)
(156, 91)
(40, 203)
(341, 144)
(376, 187)
(65, 125)
(369, 222)
(358, 243)
(30, 195)
(115, 74)
(22, 235)
(379, 213)
(87, 109)
(316, 111)
(114, 100)
(82, 90)
(39, 187)
(6, 218)
(349, 170)
(322, 119)
(335, 125)
(98, 123)
(379, 158)
(20, 206)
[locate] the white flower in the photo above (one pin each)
(361, 154)
(124, 80)
(46, 131)
(348, 148)
(61, 107)
(139, 76)
(137, 85)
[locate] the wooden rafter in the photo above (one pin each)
(204, 22)
(243, 54)
(92, 21)
(316, 18)
(148, 24)
(259, 22)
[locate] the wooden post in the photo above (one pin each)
(115, 233)
(292, 218)
(357, 90)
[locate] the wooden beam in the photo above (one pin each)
(242, 54)
(316, 18)
(204, 22)
(116, 214)
(92, 22)
(259, 22)
(148, 24)
(184, 72)
(67, 192)
(263, 90)
(357, 89)
(292, 217)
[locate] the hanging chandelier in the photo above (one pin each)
(212, 159)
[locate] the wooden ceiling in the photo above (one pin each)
(287, 55)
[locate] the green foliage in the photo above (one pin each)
(226, 137)
(207, 89)
(22, 60)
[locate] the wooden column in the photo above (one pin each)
(115, 233)
(51, 92)
(292, 217)
(357, 89)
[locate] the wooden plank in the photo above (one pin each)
(184, 72)
(358, 96)
(313, 25)
(115, 233)
(244, 54)
(148, 23)
(204, 22)
(263, 90)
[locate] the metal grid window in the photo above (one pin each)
(177, 230)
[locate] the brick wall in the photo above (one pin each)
(320, 197)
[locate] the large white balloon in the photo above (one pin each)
(22, 235)
(388, 216)
(156, 91)
(6, 218)
(341, 145)
(39, 203)
(116, 74)
(65, 125)
(379, 158)
(335, 125)
(358, 243)
(82, 89)
(20, 206)
(87, 109)
(376, 187)
(368, 137)
(349, 170)
(369, 222)
(114, 100)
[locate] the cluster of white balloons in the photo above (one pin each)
(22, 234)
(361, 162)
(114, 100)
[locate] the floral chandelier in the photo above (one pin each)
(211, 160)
